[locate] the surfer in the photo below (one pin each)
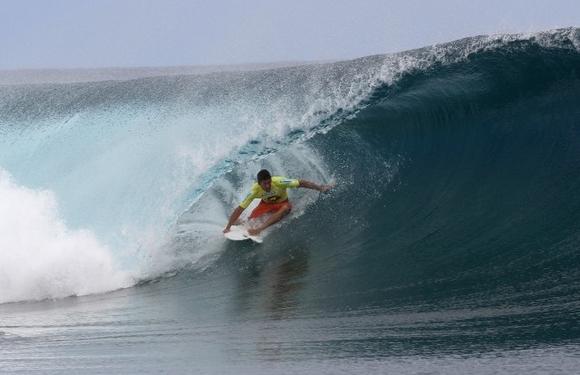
(274, 199)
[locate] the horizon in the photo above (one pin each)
(64, 34)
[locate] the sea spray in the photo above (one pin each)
(40, 257)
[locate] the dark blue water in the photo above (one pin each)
(449, 245)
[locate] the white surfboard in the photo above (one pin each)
(239, 233)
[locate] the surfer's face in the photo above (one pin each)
(266, 184)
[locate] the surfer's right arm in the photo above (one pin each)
(233, 217)
(238, 211)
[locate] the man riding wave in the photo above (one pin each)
(274, 199)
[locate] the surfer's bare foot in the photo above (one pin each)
(254, 231)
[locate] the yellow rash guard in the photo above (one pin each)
(276, 194)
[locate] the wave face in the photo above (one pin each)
(456, 170)
(482, 207)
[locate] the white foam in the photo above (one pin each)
(40, 257)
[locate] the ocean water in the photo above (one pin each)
(450, 244)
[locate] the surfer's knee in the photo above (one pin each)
(286, 209)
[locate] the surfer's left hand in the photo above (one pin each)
(325, 188)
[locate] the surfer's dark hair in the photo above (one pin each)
(263, 175)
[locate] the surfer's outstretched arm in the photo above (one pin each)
(313, 186)
(233, 217)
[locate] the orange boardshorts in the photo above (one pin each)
(264, 208)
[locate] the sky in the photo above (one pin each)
(136, 33)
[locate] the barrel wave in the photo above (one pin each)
(456, 170)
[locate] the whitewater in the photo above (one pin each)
(451, 238)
